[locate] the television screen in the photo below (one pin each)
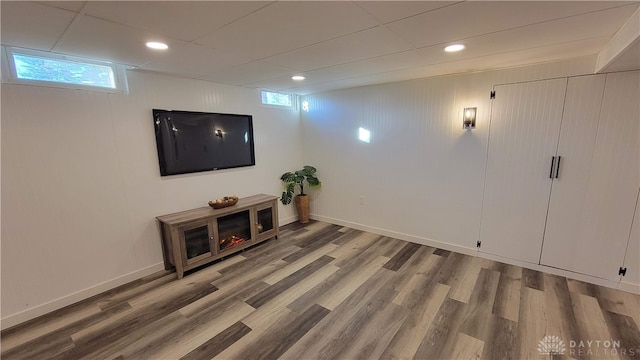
(197, 141)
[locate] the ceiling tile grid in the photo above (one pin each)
(335, 44)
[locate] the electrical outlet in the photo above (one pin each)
(361, 200)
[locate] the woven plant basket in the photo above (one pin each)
(302, 206)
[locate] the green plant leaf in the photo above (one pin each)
(286, 198)
(313, 181)
(288, 177)
(298, 177)
(308, 170)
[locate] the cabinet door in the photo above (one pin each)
(196, 241)
(524, 130)
(266, 226)
(632, 257)
(593, 200)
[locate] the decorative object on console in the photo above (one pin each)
(224, 202)
(291, 179)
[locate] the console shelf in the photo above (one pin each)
(196, 237)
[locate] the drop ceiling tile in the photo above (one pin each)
(362, 45)
(289, 25)
(388, 11)
(360, 68)
(475, 18)
(250, 73)
(193, 60)
(365, 68)
(184, 20)
(74, 6)
(593, 25)
(337, 44)
(100, 39)
(518, 58)
(32, 25)
(279, 83)
(602, 24)
(510, 59)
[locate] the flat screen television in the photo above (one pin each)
(191, 142)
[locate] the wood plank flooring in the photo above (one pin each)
(323, 291)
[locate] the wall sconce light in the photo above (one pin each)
(219, 133)
(469, 118)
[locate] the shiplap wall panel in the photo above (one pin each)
(81, 186)
(525, 126)
(422, 175)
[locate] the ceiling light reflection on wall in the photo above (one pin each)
(364, 135)
(454, 48)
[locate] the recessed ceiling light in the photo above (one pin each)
(298, 78)
(454, 48)
(157, 45)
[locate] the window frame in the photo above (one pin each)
(294, 100)
(9, 73)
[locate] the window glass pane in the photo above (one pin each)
(63, 71)
(274, 98)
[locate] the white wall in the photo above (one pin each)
(422, 175)
(81, 186)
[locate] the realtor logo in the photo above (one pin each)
(551, 345)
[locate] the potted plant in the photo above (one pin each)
(291, 179)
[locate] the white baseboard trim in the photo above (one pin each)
(43, 309)
(39, 310)
(553, 271)
(398, 235)
(287, 221)
(630, 287)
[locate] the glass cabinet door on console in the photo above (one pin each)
(234, 230)
(265, 221)
(196, 238)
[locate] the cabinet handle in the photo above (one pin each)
(553, 162)
(558, 167)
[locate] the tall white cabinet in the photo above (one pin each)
(593, 201)
(632, 258)
(563, 172)
(524, 131)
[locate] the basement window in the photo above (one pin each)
(32, 67)
(277, 98)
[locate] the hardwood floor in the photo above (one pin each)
(323, 291)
